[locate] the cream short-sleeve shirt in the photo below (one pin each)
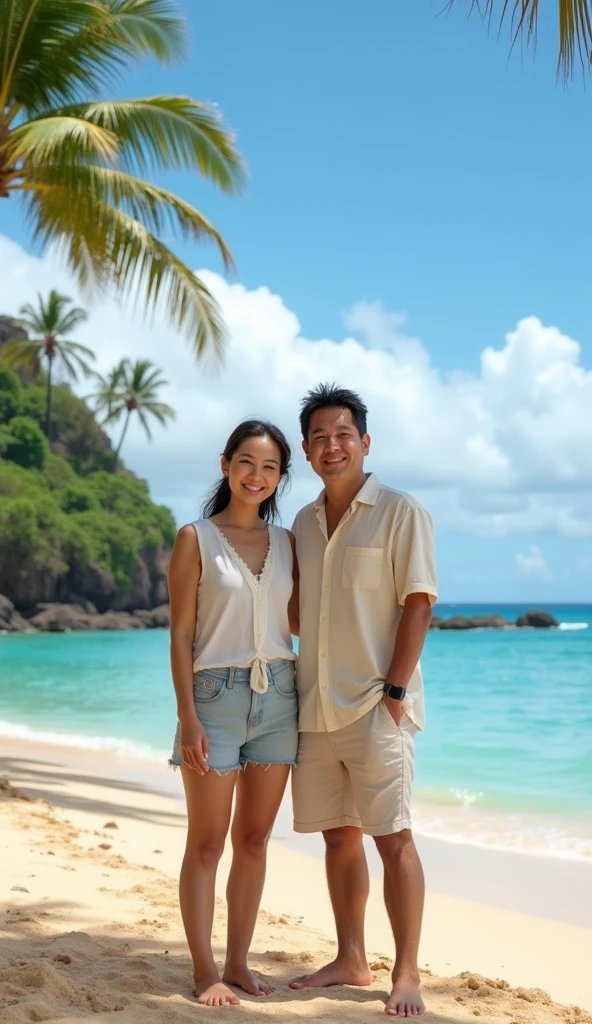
(352, 591)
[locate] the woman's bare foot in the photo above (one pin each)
(405, 999)
(242, 977)
(210, 991)
(338, 972)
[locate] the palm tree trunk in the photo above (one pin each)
(48, 399)
(118, 449)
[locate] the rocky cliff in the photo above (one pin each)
(73, 532)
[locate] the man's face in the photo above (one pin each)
(334, 447)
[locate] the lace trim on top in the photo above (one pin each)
(259, 586)
(243, 565)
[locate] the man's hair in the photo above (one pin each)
(329, 396)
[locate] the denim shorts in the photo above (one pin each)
(244, 727)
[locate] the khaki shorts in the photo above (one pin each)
(360, 775)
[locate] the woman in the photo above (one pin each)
(231, 581)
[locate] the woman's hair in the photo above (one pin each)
(219, 497)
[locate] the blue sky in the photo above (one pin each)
(397, 156)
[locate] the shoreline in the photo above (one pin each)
(550, 836)
(543, 886)
(140, 860)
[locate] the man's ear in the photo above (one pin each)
(305, 450)
(366, 442)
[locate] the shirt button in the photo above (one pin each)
(326, 584)
(323, 654)
(324, 686)
(324, 618)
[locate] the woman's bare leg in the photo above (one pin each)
(259, 792)
(209, 805)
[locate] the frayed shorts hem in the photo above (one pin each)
(369, 830)
(236, 767)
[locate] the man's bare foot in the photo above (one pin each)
(210, 991)
(405, 999)
(242, 977)
(338, 972)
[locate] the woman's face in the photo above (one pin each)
(254, 470)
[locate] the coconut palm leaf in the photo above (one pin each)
(75, 358)
(96, 41)
(108, 397)
(74, 164)
(52, 140)
(574, 19)
(100, 190)
(167, 132)
(22, 355)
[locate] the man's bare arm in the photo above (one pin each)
(411, 634)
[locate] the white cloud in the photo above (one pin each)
(533, 564)
(503, 451)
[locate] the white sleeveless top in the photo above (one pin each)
(242, 619)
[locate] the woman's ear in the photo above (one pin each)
(224, 466)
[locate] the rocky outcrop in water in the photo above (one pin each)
(55, 617)
(536, 619)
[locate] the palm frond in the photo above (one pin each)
(157, 209)
(60, 141)
(160, 411)
(52, 316)
(21, 354)
(71, 49)
(133, 261)
(169, 132)
(151, 27)
(73, 319)
(75, 357)
(574, 24)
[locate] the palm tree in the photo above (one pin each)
(76, 161)
(51, 321)
(131, 387)
(109, 390)
(574, 21)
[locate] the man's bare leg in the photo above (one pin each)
(404, 895)
(349, 885)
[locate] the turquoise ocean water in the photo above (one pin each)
(506, 758)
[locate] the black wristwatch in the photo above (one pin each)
(394, 692)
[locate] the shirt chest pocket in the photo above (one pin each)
(362, 568)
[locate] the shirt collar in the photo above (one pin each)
(367, 495)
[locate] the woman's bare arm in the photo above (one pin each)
(294, 604)
(184, 576)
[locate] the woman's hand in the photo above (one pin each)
(194, 745)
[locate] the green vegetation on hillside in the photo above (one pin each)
(63, 508)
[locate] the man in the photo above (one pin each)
(367, 584)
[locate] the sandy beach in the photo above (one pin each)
(90, 924)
